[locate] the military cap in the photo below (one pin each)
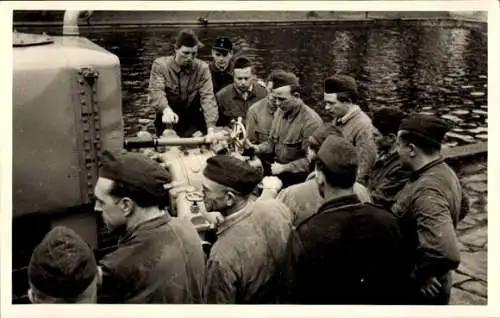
(62, 265)
(341, 84)
(282, 78)
(339, 157)
(431, 128)
(187, 37)
(233, 172)
(223, 44)
(387, 120)
(135, 169)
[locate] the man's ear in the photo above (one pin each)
(296, 95)
(413, 150)
(230, 198)
(127, 205)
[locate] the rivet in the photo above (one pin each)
(83, 102)
(82, 92)
(81, 82)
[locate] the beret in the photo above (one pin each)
(233, 172)
(223, 44)
(338, 155)
(282, 78)
(319, 136)
(387, 120)
(62, 265)
(431, 128)
(135, 169)
(187, 37)
(341, 84)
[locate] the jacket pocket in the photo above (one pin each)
(291, 149)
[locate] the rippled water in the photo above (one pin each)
(430, 69)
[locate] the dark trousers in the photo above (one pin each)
(191, 119)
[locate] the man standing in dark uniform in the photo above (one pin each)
(348, 252)
(429, 209)
(222, 52)
(235, 100)
(180, 89)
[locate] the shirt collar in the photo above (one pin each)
(234, 218)
(239, 93)
(346, 200)
(419, 172)
(350, 114)
(146, 226)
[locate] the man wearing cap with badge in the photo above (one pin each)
(159, 259)
(235, 99)
(292, 125)
(429, 209)
(62, 269)
(304, 199)
(222, 52)
(348, 252)
(181, 91)
(341, 95)
(251, 240)
(388, 175)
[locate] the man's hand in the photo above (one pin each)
(272, 183)
(169, 117)
(277, 168)
(250, 145)
(211, 136)
(214, 218)
(431, 288)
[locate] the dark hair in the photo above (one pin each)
(343, 179)
(428, 147)
(242, 62)
(186, 37)
(387, 120)
(139, 196)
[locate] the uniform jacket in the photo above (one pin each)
(220, 79)
(357, 128)
(347, 253)
(387, 178)
(232, 105)
(160, 261)
(429, 208)
(289, 135)
(243, 263)
(259, 121)
(178, 88)
(304, 199)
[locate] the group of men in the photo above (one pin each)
(357, 211)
